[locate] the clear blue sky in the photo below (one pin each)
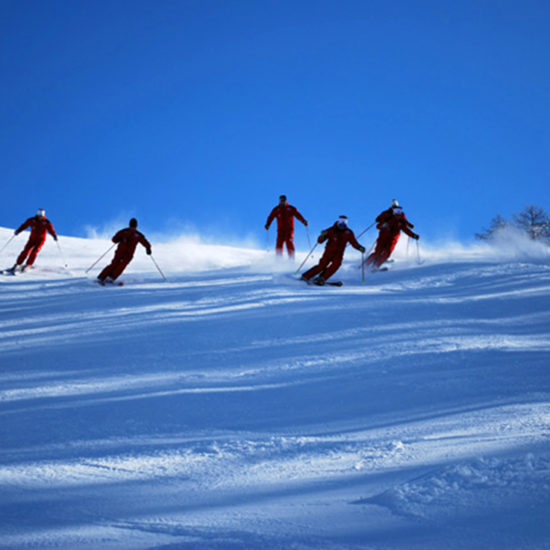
(203, 112)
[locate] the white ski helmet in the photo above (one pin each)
(395, 204)
(342, 221)
(41, 213)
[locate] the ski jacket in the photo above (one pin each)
(127, 240)
(285, 217)
(39, 228)
(394, 222)
(337, 240)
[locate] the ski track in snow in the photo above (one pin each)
(232, 407)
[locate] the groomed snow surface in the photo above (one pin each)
(234, 407)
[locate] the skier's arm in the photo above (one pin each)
(270, 218)
(407, 222)
(118, 236)
(323, 236)
(353, 241)
(383, 216)
(145, 243)
(299, 216)
(382, 219)
(51, 231)
(404, 226)
(23, 226)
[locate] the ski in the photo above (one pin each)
(326, 283)
(109, 283)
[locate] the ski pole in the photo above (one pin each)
(418, 259)
(9, 241)
(267, 240)
(360, 234)
(363, 262)
(157, 266)
(362, 267)
(308, 239)
(305, 260)
(61, 254)
(106, 252)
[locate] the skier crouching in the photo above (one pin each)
(337, 237)
(40, 226)
(390, 223)
(127, 240)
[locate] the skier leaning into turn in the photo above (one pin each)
(285, 214)
(127, 240)
(40, 226)
(390, 223)
(337, 237)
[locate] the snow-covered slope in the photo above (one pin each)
(233, 407)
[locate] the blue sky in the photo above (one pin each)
(198, 114)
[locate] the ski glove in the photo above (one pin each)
(416, 237)
(362, 249)
(148, 252)
(55, 237)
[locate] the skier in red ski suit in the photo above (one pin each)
(337, 237)
(127, 240)
(285, 214)
(390, 223)
(40, 226)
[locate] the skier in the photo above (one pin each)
(285, 214)
(40, 226)
(127, 240)
(390, 223)
(337, 237)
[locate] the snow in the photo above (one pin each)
(233, 407)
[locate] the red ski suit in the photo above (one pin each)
(285, 215)
(390, 225)
(127, 240)
(40, 227)
(334, 251)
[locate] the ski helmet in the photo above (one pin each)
(41, 213)
(282, 198)
(133, 222)
(395, 204)
(342, 222)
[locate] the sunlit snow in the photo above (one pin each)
(235, 407)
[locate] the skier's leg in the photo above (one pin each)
(34, 252)
(290, 242)
(290, 247)
(332, 268)
(119, 267)
(106, 272)
(316, 269)
(279, 244)
(24, 252)
(389, 246)
(379, 256)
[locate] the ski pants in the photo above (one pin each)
(32, 248)
(328, 265)
(285, 237)
(385, 245)
(116, 267)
